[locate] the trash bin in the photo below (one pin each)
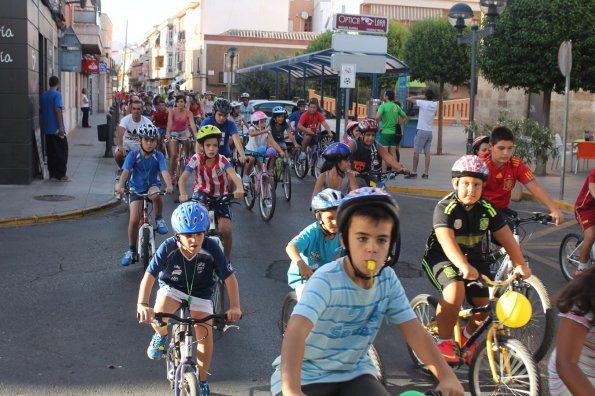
(372, 107)
(102, 132)
(409, 133)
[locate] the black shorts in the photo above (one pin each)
(363, 385)
(442, 273)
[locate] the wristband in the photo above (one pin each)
(143, 304)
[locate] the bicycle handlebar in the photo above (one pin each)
(383, 175)
(537, 217)
(179, 139)
(210, 200)
(143, 195)
(191, 321)
(483, 281)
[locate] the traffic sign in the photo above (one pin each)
(363, 63)
(360, 23)
(357, 43)
(565, 57)
(347, 77)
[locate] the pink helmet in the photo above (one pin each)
(350, 126)
(257, 116)
(470, 165)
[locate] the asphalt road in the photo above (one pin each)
(69, 324)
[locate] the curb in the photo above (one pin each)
(69, 215)
(427, 191)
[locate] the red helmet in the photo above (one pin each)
(368, 125)
(478, 141)
(470, 165)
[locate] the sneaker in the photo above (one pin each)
(204, 388)
(449, 352)
(161, 226)
(302, 156)
(579, 271)
(156, 349)
(246, 181)
(411, 176)
(127, 258)
(471, 350)
(424, 176)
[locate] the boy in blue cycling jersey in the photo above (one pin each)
(344, 303)
(184, 265)
(318, 243)
(221, 110)
(144, 166)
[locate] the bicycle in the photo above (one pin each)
(281, 174)
(180, 356)
(538, 335)
(377, 178)
(259, 186)
(313, 160)
(183, 156)
(145, 245)
(500, 366)
(289, 304)
(218, 298)
(568, 255)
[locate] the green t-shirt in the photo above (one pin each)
(390, 113)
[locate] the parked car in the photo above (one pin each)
(267, 106)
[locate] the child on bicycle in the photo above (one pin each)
(259, 136)
(219, 119)
(212, 175)
(368, 154)
(184, 265)
(336, 171)
(310, 124)
(454, 257)
(585, 216)
(143, 166)
(344, 303)
(571, 367)
(481, 145)
(280, 128)
(316, 244)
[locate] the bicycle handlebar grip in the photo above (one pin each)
(433, 393)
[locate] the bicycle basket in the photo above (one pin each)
(513, 309)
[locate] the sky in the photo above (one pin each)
(141, 15)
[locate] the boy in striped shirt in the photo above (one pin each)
(212, 175)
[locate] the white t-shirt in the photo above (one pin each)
(131, 138)
(427, 109)
(254, 142)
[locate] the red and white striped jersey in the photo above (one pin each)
(211, 180)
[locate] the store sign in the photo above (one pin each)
(360, 23)
(102, 67)
(90, 66)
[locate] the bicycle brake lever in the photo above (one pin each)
(227, 327)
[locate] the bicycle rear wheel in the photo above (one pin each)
(516, 370)
(300, 165)
(375, 357)
(250, 194)
(288, 305)
(424, 306)
(218, 301)
(286, 181)
(538, 334)
(189, 385)
(144, 253)
(267, 199)
(568, 255)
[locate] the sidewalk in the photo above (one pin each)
(454, 142)
(91, 188)
(92, 185)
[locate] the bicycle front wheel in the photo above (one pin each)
(424, 306)
(568, 255)
(266, 199)
(377, 362)
(250, 194)
(288, 305)
(286, 182)
(144, 251)
(189, 385)
(515, 369)
(538, 334)
(218, 303)
(300, 165)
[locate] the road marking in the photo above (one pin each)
(543, 260)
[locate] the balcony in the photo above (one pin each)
(86, 26)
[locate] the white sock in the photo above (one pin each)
(583, 266)
(465, 333)
(440, 341)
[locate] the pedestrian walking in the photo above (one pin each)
(85, 108)
(423, 137)
(52, 124)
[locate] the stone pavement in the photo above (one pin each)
(92, 185)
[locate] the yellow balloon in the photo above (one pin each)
(513, 309)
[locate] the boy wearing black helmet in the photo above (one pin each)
(221, 110)
(454, 256)
(343, 305)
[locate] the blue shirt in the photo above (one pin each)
(314, 249)
(247, 111)
(193, 277)
(295, 118)
(144, 172)
(228, 129)
(48, 103)
(346, 319)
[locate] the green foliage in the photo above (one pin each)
(432, 53)
(261, 84)
(322, 42)
(523, 51)
(533, 143)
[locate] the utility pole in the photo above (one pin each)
(124, 56)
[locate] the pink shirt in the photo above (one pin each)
(179, 124)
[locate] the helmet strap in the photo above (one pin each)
(325, 232)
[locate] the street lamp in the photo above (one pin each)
(458, 15)
(231, 54)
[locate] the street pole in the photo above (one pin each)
(472, 87)
(124, 61)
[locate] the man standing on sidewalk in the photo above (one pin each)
(423, 137)
(52, 125)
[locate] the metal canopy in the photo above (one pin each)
(318, 64)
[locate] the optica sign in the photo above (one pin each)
(90, 66)
(360, 23)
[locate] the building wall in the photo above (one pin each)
(409, 12)
(269, 15)
(295, 21)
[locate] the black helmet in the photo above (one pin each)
(301, 102)
(222, 106)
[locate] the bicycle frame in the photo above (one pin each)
(185, 351)
(145, 223)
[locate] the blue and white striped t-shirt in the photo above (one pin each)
(346, 319)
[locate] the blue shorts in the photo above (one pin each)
(220, 210)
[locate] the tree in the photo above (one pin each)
(321, 42)
(432, 54)
(260, 84)
(523, 51)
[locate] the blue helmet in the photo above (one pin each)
(279, 110)
(190, 218)
(336, 151)
(326, 199)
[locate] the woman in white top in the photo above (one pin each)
(85, 108)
